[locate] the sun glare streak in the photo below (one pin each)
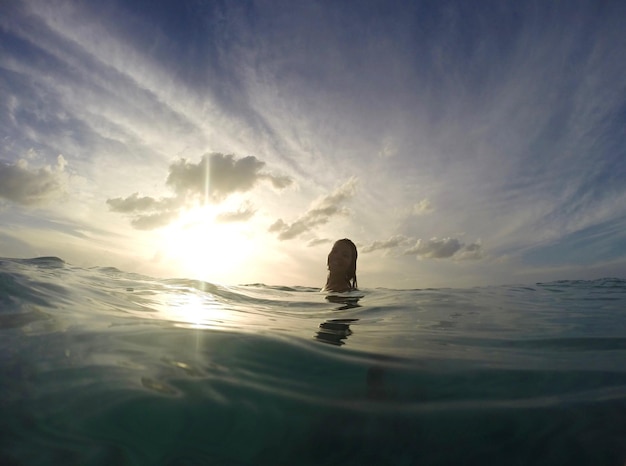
(207, 174)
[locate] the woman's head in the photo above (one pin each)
(342, 261)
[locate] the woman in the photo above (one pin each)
(342, 267)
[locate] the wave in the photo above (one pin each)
(598, 282)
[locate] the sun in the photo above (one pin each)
(205, 249)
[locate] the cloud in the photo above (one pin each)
(215, 177)
(433, 248)
(317, 241)
(148, 213)
(422, 207)
(473, 251)
(319, 213)
(298, 227)
(445, 248)
(134, 203)
(29, 186)
(278, 181)
(389, 148)
(155, 220)
(393, 242)
(218, 176)
(245, 212)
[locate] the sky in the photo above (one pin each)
(457, 143)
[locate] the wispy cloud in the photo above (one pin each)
(319, 213)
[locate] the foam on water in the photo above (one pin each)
(99, 366)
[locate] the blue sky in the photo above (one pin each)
(457, 143)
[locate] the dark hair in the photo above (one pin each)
(351, 272)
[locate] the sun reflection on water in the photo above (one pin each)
(187, 308)
(192, 311)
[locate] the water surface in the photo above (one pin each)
(99, 366)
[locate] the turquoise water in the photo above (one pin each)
(102, 367)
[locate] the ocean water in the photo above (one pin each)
(103, 367)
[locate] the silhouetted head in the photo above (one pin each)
(342, 263)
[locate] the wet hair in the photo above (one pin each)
(351, 272)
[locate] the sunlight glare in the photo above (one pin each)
(192, 311)
(203, 248)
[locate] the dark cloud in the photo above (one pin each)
(391, 243)
(320, 212)
(473, 251)
(218, 176)
(278, 181)
(214, 178)
(444, 248)
(28, 186)
(435, 248)
(134, 203)
(286, 231)
(278, 225)
(148, 213)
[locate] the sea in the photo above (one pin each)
(103, 367)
